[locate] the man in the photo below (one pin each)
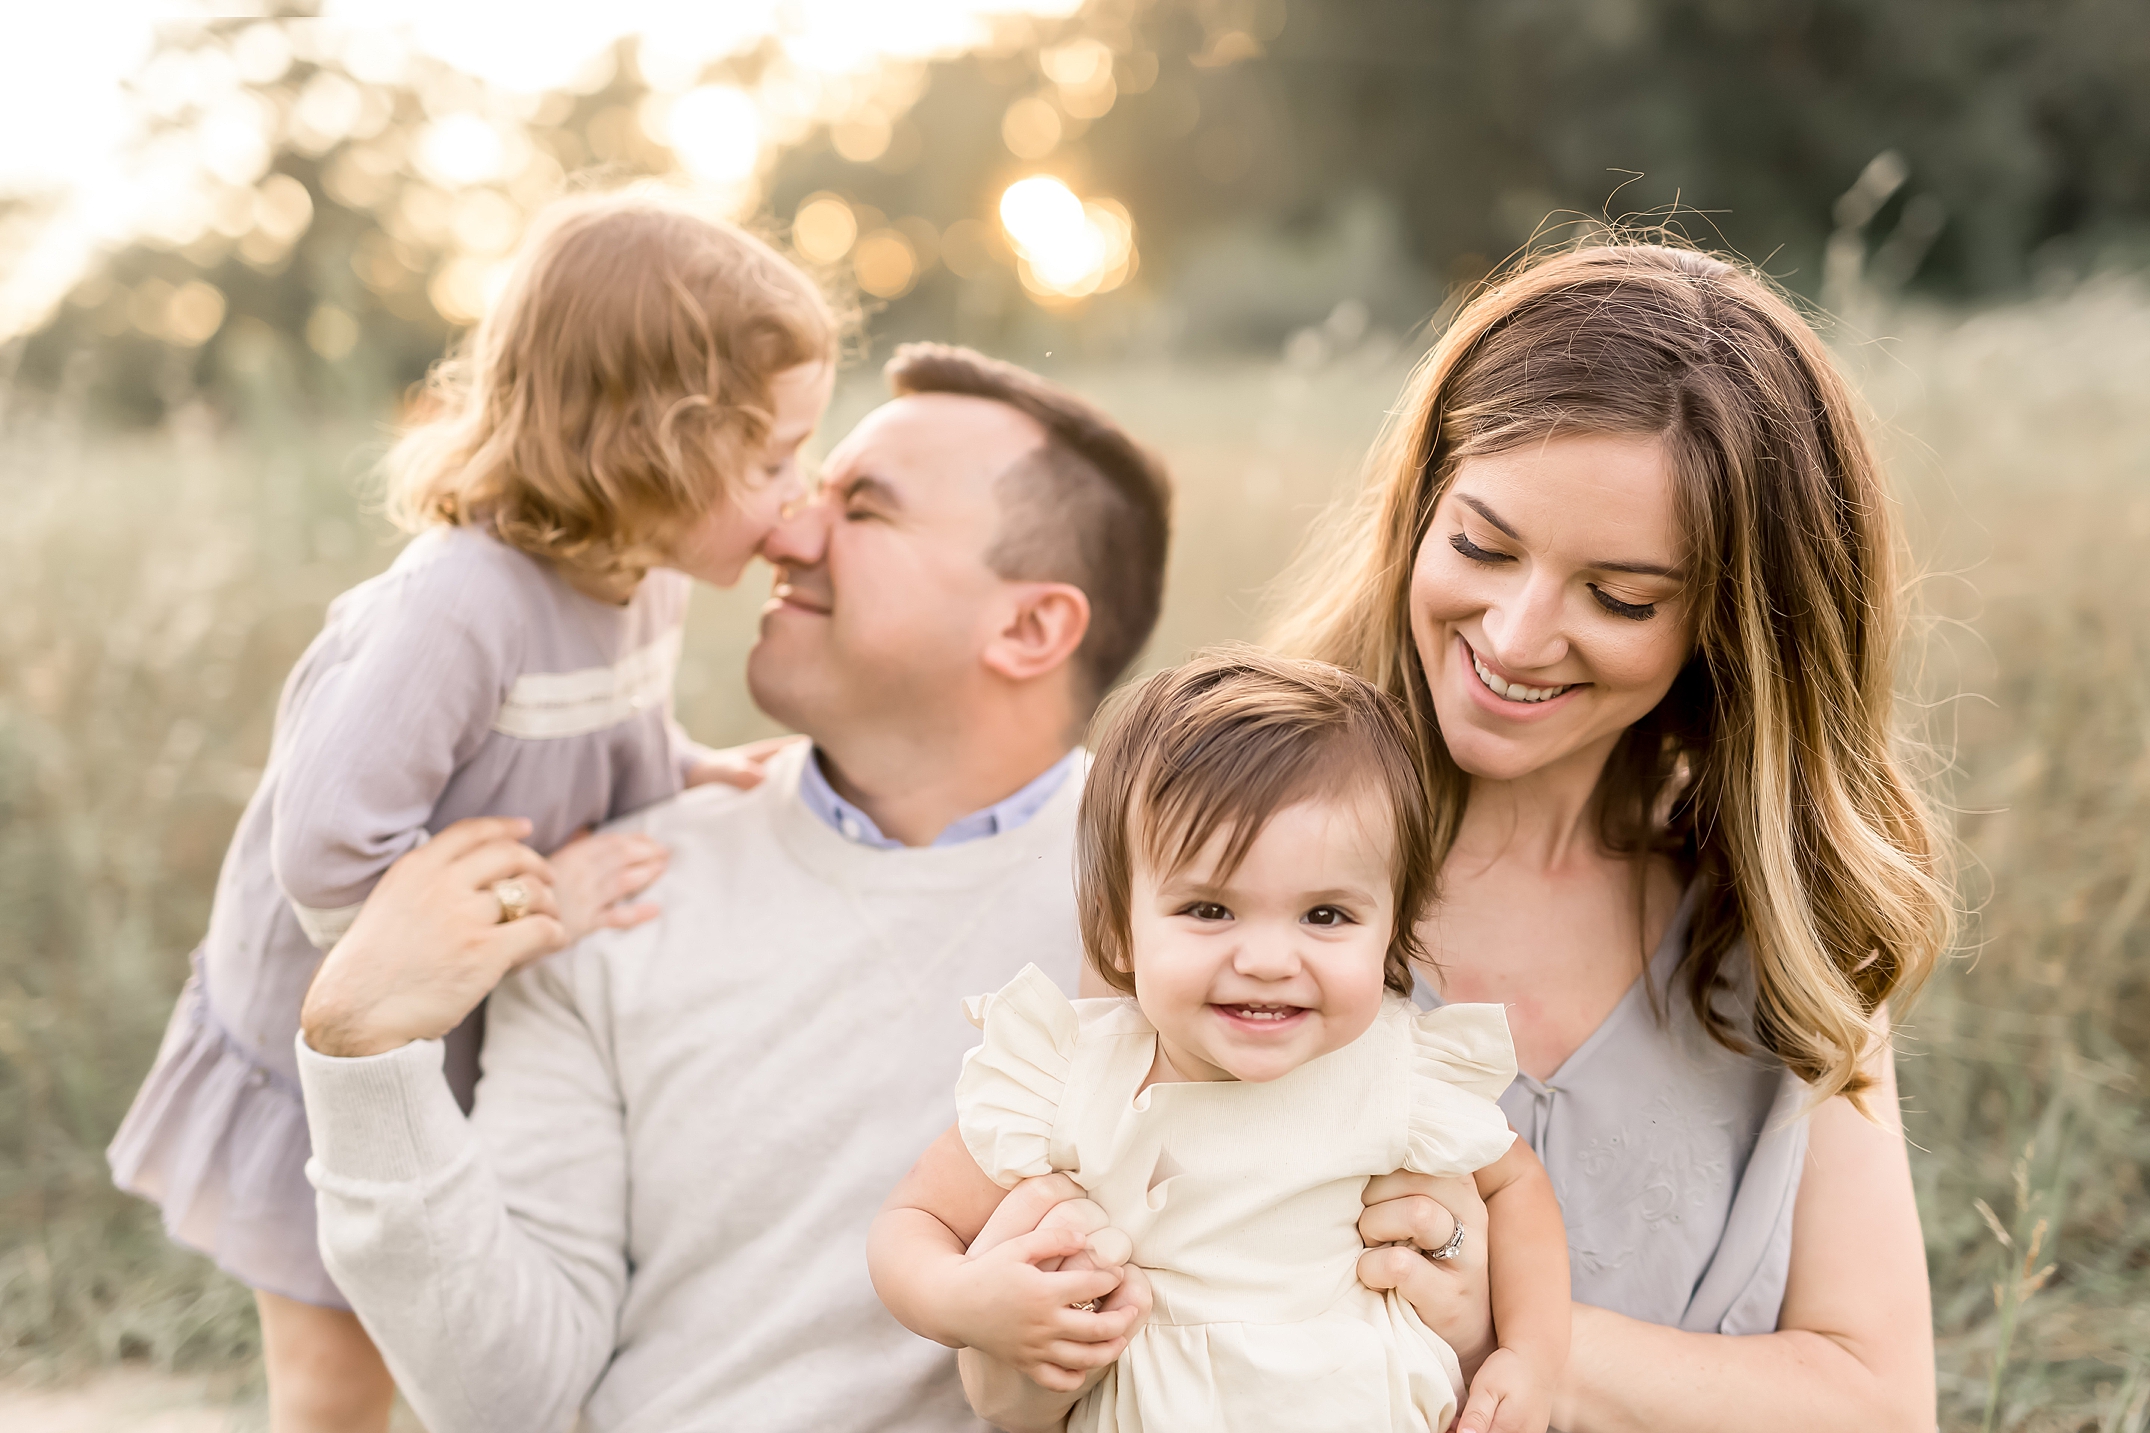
(657, 1212)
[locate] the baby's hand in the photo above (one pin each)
(595, 877)
(1104, 1247)
(1015, 1304)
(1506, 1397)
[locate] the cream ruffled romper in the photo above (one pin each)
(1243, 1202)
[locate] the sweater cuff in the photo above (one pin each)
(386, 1118)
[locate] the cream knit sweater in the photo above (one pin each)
(657, 1213)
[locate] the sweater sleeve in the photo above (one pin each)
(371, 742)
(488, 1259)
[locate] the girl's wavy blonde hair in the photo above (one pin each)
(1769, 768)
(616, 389)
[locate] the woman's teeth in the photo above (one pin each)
(1513, 691)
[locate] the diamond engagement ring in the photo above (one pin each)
(514, 898)
(1453, 1247)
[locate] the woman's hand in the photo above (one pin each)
(595, 878)
(430, 943)
(1406, 1213)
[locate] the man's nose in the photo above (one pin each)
(1525, 630)
(801, 536)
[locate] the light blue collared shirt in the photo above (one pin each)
(855, 825)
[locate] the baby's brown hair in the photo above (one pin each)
(1223, 743)
(616, 390)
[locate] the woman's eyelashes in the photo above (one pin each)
(1462, 543)
(1633, 611)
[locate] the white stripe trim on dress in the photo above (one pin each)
(324, 927)
(543, 705)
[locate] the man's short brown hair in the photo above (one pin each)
(1091, 507)
(1220, 745)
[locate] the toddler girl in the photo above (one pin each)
(1252, 865)
(629, 417)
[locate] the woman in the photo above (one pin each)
(1627, 562)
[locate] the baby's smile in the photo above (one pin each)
(1270, 1016)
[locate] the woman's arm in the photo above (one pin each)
(1854, 1345)
(1010, 1300)
(1527, 1254)
(1407, 1214)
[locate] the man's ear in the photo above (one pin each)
(1045, 624)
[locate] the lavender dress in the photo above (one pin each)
(467, 680)
(1676, 1161)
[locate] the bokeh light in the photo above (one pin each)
(824, 228)
(885, 263)
(716, 132)
(175, 143)
(460, 149)
(1031, 128)
(1069, 248)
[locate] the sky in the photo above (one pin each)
(70, 135)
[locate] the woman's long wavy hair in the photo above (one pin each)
(1770, 768)
(616, 390)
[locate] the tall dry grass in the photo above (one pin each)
(153, 592)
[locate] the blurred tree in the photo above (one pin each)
(1229, 171)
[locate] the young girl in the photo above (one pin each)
(1252, 867)
(629, 417)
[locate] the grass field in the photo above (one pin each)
(153, 592)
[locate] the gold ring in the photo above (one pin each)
(514, 898)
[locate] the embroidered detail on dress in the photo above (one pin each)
(325, 927)
(544, 705)
(1638, 1184)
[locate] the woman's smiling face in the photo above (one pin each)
(1548, 601)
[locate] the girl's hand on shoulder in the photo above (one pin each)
(739, 766)
(1408, 1214)
(1506, 1397)
(595, 879)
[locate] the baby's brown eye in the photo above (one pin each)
(1208, 911)
(1326, 916)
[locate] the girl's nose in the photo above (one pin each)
(801, 535)
(1266, 955)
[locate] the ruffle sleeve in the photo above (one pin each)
(1009, 1092)
(1462, 1061)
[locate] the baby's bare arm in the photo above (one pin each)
(1010, 1299)
(1527, 1249)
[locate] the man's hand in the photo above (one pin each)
(594, 878)
(740, 766)
(1406, 1213)
(1506, 1397)
(430, 943)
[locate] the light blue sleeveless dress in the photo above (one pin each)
(1676, 1161)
